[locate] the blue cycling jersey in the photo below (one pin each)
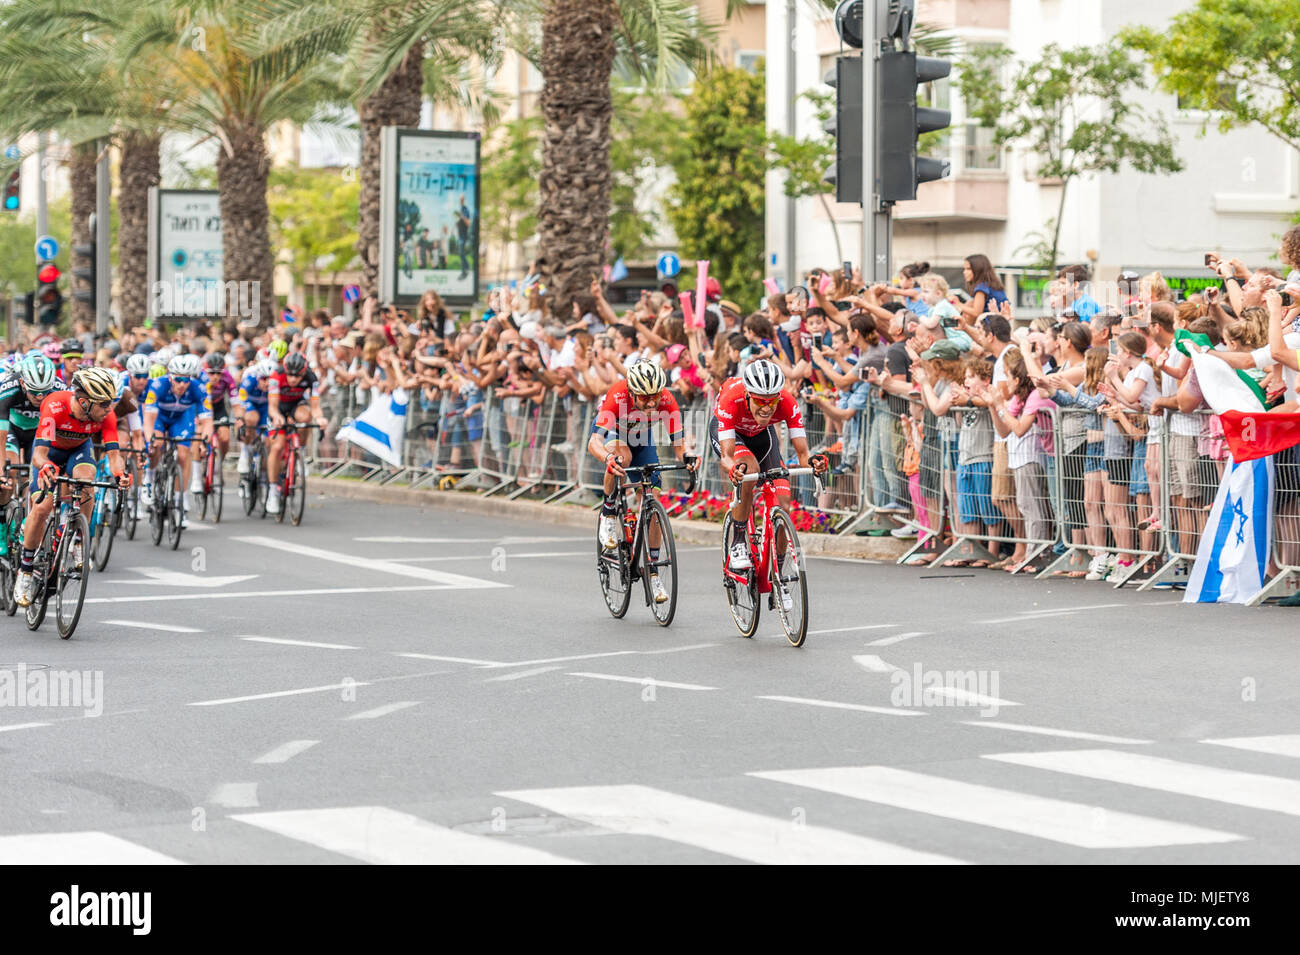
(250, 393)
(171, 405)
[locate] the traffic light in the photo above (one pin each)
(49, 300)
(898, 74)
(13, 191)
(24, 307)
(846, 126)
(85, 272)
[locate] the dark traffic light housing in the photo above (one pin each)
(13, 195)
(85, 272)
(846, 173)
(899, 169)
(49, 300)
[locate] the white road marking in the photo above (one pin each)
(471, 540)
(286, 752)
(313, 592)
(1024, 619)
(383, 836)
(384, 710)
(1070, 609)
(1072, 823)
(270, 696)
(1047, 613)
(300, 643)
(235, 796)
(644, 681)
(873, 664)
(165, 577)
(77, 848)
(1253, 790)
(520, 674)
(897, 638)
(1046, 731)
(372, 564)
(870, 626)
(432, 656)
(642, 811)
(1274, 745)
(834, 705)
(21, 726)
(968, 697)
(167, 628)
(509, 555)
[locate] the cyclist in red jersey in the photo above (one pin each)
(743, 435)
(622, 437)
(69, 420)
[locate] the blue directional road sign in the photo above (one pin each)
(47, 248)
(351, 293)
(669, 264)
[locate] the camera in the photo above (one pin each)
(1286, 299)
(948, 322)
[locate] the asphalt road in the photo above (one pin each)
(391, 684)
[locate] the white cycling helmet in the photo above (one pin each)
(184, 366)
(763, 377)
(266, 368)
(138, 365)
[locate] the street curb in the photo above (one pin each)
(685, 531)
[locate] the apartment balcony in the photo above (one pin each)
(965, 14)
(968, 197)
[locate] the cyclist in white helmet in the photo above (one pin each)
(743, 434)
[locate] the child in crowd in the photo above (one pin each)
(976, 514)
(1016, 419)
(1088, 397)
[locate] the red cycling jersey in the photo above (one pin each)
(59, 429)
(278, 384)
(733, 414)
(620, 418)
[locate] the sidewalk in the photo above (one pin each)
(687, 532)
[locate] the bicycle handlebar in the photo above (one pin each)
(648, 472)
(774, 474)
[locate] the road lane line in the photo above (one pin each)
(520, 675)
(1252, 790)
(235, 796)
(383, 836)
(77, 848)
(312, 592)
(471, 540)
(167, 628)
(372, 564)
(21, 726)
(834, 705)
(300, 643)
(282, 754)
(1273, 745)
(509, 555)
(432, 656)
(384, 710)
(270, 696)
(873, 664)
(1047, 731)
(644, 681)
(643, 811)
(1070, 609)
(1071, 823)
(968, 697)
(870, 626)
(898, 638)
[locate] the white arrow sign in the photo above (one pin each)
(174, 578)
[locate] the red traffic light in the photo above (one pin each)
(48, 274)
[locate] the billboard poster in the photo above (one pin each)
(186, 278)
(435, 216)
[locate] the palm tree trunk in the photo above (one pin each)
(574, 204)
(245, 239)
(395, 103)
(139, 171)
(81, 177)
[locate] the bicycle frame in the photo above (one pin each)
(765, 498)
(645, 486)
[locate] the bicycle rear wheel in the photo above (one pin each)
(216, 483)
(131, 513)
(615, 580)
(742, 598)
(162, 499)
(785, 570)
(249, 483)
(13, 523)
(296, 501)
(665, 567)
(175, 512)
(70, 580)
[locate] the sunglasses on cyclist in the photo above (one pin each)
(145, 375)
(181, 379)
(765, 402)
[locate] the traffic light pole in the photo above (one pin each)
(876, 254)
(42, 206)
(103, 195)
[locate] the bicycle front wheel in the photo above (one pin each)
(615, 580)
(14, 518)
(786, 573)
(742, 598)
(72, 572)
(656, 522)
(175, 513)
(131, 514)
(217, 484)
(106, 527)
(162, 499)
(42, 571)
(296, 500)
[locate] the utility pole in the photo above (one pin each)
(876, 231)
(103, 197)
(42, 206)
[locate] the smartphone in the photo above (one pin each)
(848, 271)
(1286, 299)
(1209, 258)
(1114, 347)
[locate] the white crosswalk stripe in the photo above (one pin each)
(77, 848)
(643, 811)
(1252, 790)
(1274, 745)
(385, 836)
(1076, 824)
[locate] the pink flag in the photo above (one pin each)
(701, 290)
(607, 271)
(825, 284)
(770, 285)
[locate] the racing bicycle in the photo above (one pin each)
(61, 566)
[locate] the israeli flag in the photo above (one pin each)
(381, 428)
(1233, 555)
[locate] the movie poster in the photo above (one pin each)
(437, 216)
